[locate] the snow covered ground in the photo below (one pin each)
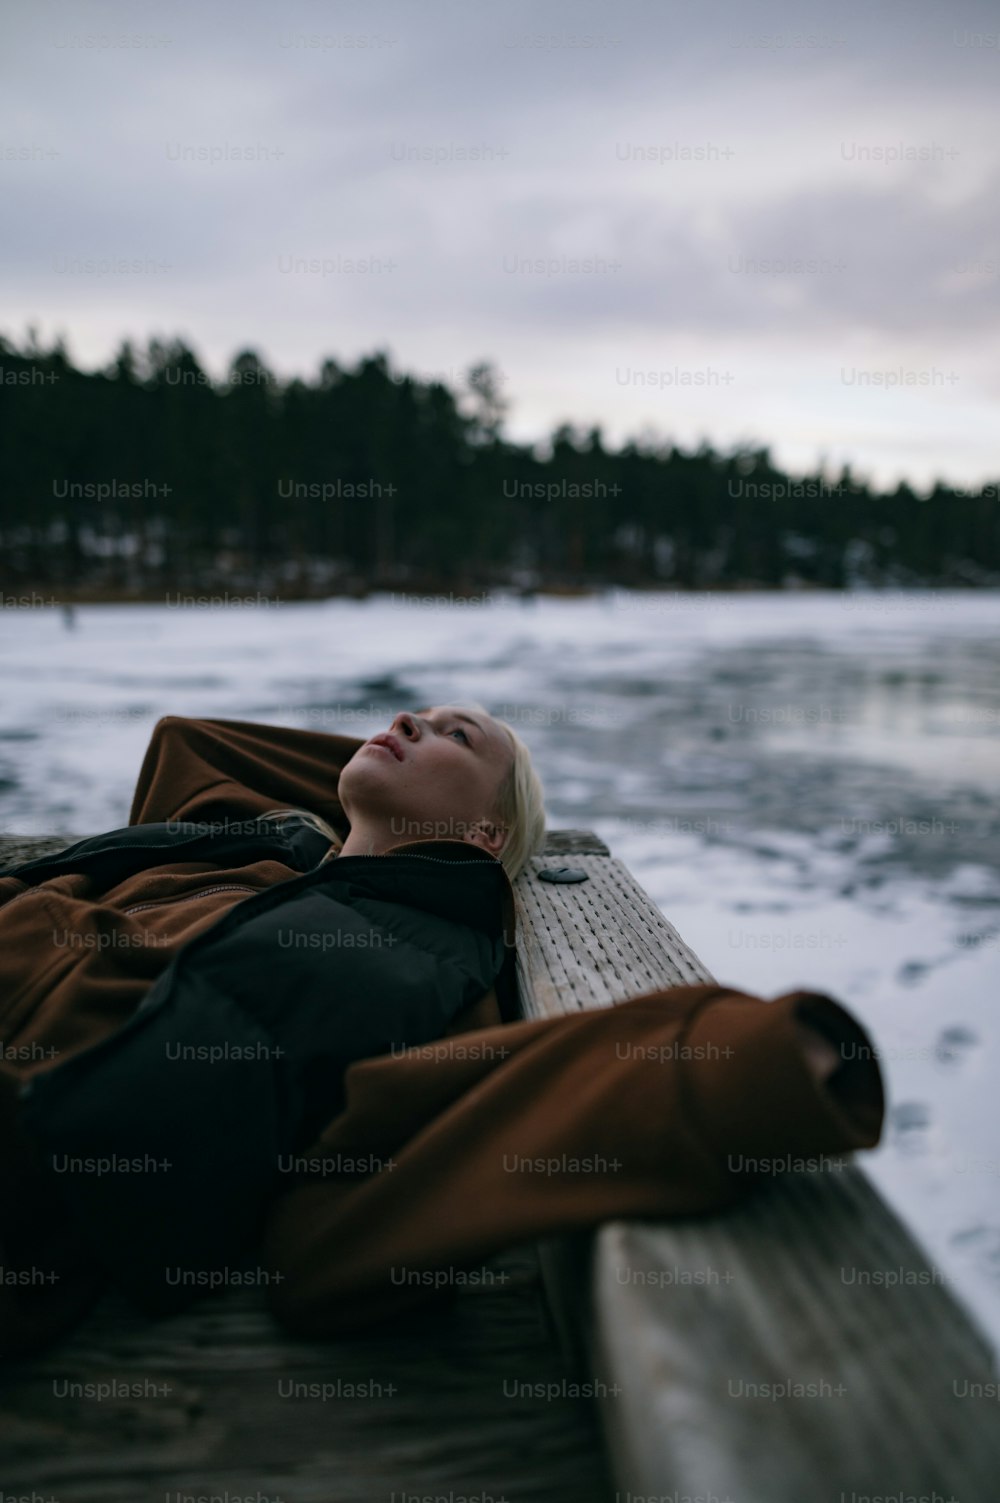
(806, 784)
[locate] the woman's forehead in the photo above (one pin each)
(461, 712)
(493, 730)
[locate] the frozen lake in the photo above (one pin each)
(806, 784)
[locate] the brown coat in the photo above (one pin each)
(501, 1132)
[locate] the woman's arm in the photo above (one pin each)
(673, 1103)
(217, 769)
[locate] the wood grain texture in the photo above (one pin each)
(594, 943)
(427, 1405)
(568, 842)
(17, 848)
(688, 1328)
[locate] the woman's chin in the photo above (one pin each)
(365, 778)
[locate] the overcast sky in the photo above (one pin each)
(732, 221)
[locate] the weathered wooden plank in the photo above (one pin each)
(17, 848)
(568, 842)
(594, 943)
(225, 1400)
(770, 1379)
(688, 1328)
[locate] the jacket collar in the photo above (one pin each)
(462, 850)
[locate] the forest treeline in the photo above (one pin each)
(150, 476)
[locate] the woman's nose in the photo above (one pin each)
(405, 724)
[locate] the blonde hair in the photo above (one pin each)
(519, 809)
(520, 804)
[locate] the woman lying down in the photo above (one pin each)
(272, 1025)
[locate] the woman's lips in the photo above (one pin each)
(389, 744)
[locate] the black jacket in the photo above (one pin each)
(169, 1138)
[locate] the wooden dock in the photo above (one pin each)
(682, 1330)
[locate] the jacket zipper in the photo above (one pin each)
(445, 860)
(233, 887)
(202, 892)
(173, 845)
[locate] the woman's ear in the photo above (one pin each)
(488, 835)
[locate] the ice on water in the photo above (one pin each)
(806, 783)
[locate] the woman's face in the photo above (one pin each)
(435, 774)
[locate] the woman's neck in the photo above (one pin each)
(368, 840)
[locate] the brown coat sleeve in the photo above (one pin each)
(495, 1136)
(208, 769)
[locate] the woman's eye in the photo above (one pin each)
(462, 733)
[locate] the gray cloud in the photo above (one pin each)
(367, 152)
